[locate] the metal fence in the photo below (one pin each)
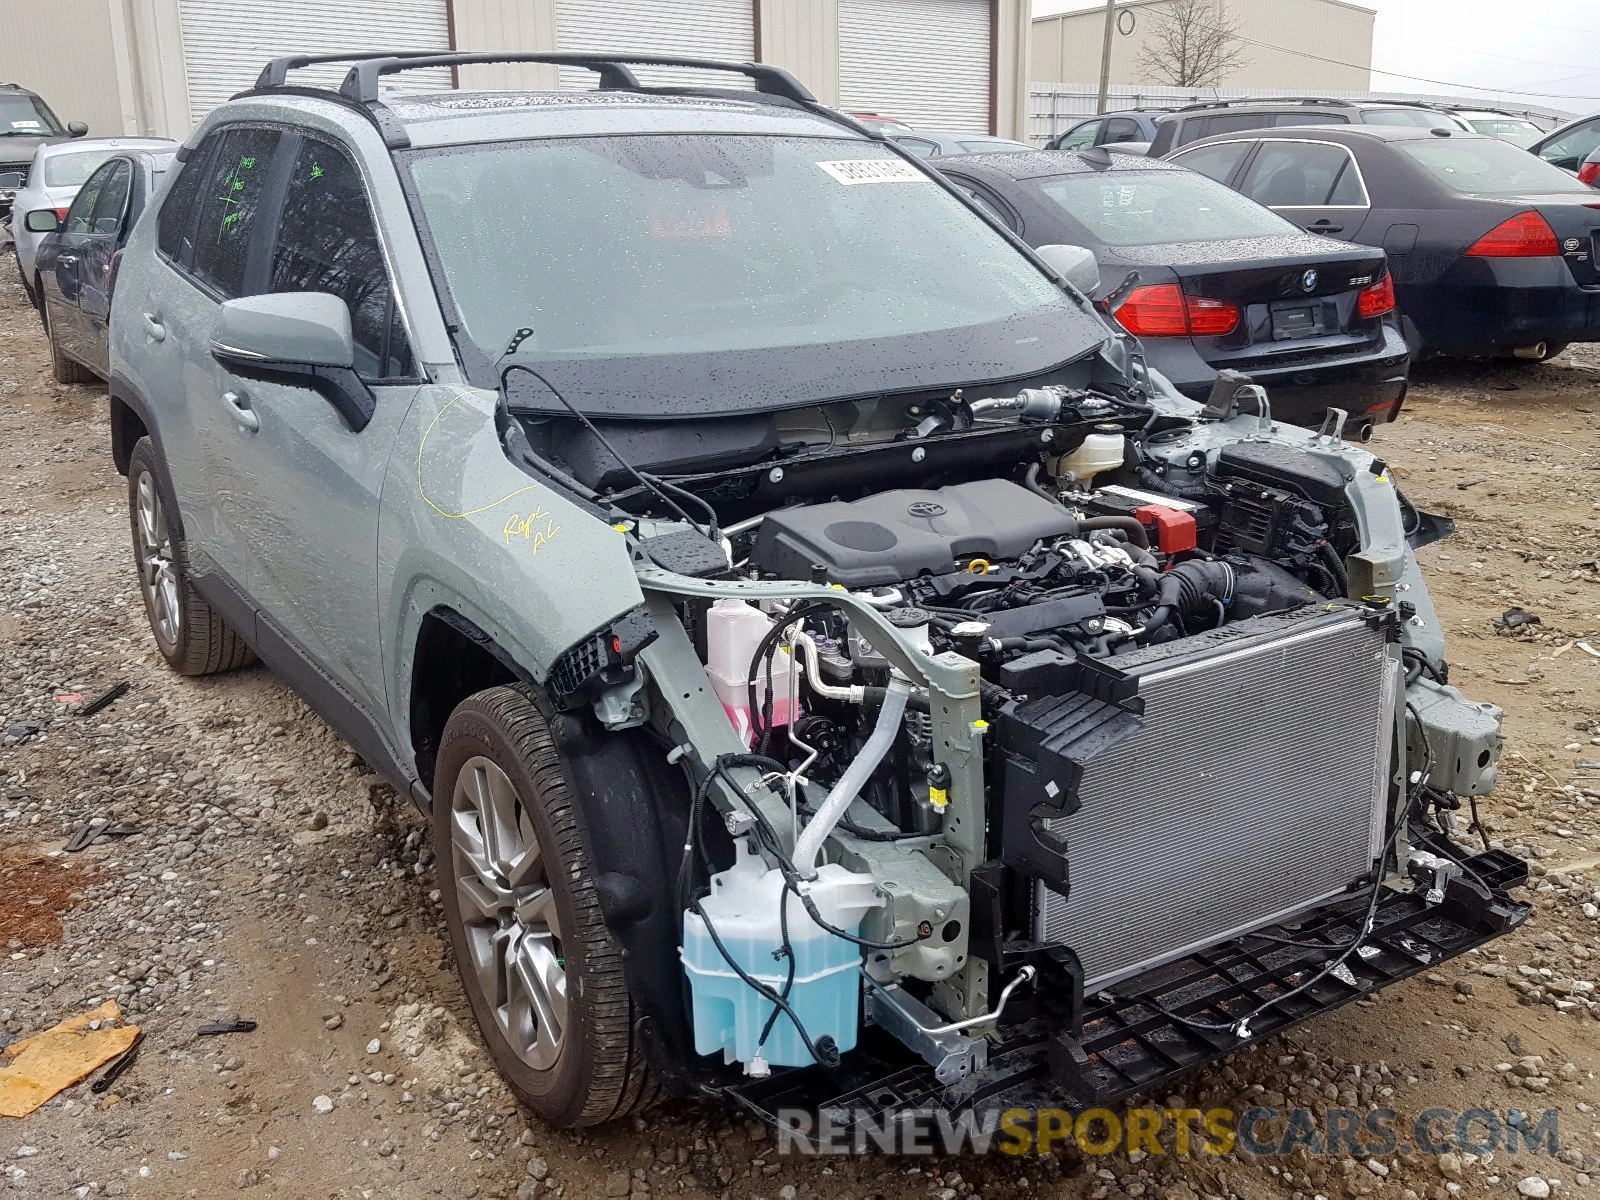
(1052, 107)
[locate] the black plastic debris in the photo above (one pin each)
(115, 692)
(218, 1028)
(118, 1065)
(23, 730)
(1515, 618)
(92, 830)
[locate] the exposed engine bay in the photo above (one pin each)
(1031, 723)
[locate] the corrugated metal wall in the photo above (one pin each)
(802, 37)
(1067, 46)
(62, 50)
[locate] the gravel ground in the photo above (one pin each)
(275, 878)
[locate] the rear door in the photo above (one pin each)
(1317, 185)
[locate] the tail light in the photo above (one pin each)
(1526, 235)
(1376, 299)
(1589, 173)
(1162, 310)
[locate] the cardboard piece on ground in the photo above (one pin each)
(34, 1069)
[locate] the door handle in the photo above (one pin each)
(66, 260)
(156, 331)
(242, 412)
(1325, 226)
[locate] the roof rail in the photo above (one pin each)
(361, 84)
(1330, 101)
(276, 73)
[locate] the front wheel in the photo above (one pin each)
(542, 973)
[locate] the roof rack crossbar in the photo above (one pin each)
(276, 73)
(361, 84)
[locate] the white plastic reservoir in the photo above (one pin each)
(826, 993)
(733, 630)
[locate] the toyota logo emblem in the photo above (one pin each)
(1308, 281)
(926, 508)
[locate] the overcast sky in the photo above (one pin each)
(1548, 47)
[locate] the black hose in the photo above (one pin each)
(1159, 483)
(1189, 588)
(1128, 525)
(1331, 560)
(1031, 482)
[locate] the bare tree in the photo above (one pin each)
(1192, 43)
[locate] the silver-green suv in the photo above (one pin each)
(839, 673)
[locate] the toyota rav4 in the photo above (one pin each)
(838, 672)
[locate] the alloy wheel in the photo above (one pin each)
(158, 575)
(508, 912)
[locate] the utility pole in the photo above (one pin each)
(1105, 55)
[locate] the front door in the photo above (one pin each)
(95, 262)
(64, 261)
(313, 482)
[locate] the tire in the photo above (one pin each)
(62, 368)
(518, 888)
(191, 635)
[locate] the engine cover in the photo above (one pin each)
(892, 536)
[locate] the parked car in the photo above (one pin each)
(482, 425)
(79, 254)
(1490, 249)
(1212, 117)
(933, 143)
(878, 121)
(1574, 147)
(1223, 283)
(1132, 127)
(26, 123)
(1508, 127)
(54, 177)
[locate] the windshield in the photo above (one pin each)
(651, 273)
(1511, 129)
(22, 115)
(1489, 167)
(1158, 207)
(70, 170)
(989, 146)
(1419, 118)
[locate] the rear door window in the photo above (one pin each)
(1303, 175)
(327, 242)
(1308, 118)
(1121, 129)
(1200, 127)
(231, 193)
(1218, 162)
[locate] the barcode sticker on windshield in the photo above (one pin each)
(874, 170)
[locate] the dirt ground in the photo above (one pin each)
(274, 878)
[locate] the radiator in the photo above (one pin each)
(1257, 789)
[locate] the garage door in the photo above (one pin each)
(699, 28)
(924, 61)
(226, 43)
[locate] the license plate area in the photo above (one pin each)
(1293, 319)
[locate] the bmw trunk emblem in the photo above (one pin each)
(1308, 281)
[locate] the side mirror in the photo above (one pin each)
(1075, 264)
(41, 220)
(10, 181)
(302, 339)
(77, 128)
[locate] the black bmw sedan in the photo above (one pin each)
(1221, 281)
(1492, 249)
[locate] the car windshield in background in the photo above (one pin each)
(651, 274)
(70, 170)
(989, 146)
(1517, 132)
(24, 116)
(1159, 207)
(1418, 118)
(1489, 167)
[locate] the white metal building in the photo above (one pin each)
(1306, 47)
(157, 66)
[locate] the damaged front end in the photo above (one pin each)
(1045, 748)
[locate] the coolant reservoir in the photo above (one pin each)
(733, 630)
(1101, 451)
(826, 993)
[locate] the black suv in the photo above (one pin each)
(26, 123)
(1195, 121)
